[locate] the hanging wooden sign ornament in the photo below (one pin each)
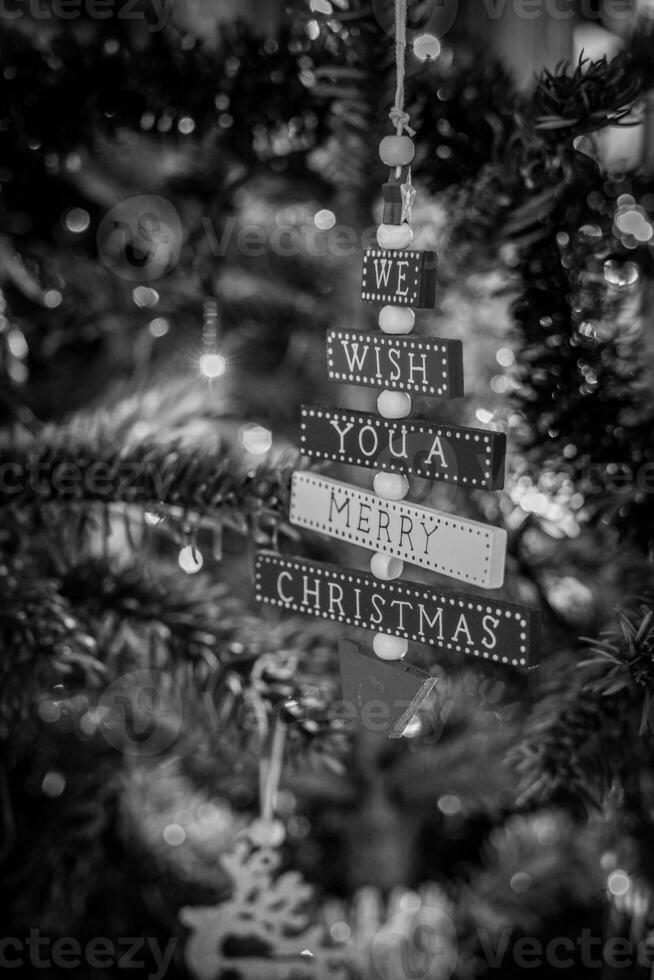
(400, 277)
(454, 546)
(488, 628)
(381, 688)
(420, 365)
(471, 457)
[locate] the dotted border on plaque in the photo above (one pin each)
(442, 520)
(371, 296)
(448, 432)
(429, 344)
(350, 577)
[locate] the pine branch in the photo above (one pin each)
(43, 641)
(86, 624)
(111, 457)
(574, 751)
(535, 868)
(625, 658)
(595, 94)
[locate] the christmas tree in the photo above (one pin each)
(186, 196)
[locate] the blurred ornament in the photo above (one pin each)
(573, 600)
(264, 924)
(405, 934)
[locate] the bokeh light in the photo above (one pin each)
(256, 439)
(324, 219)
(618, 883)
(212, 365)
(77, 220)
(190, 559)
(426, 47)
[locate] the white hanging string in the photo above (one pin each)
(398, 114)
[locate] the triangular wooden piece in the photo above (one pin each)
(382, 695)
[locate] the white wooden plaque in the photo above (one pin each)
(453, 546)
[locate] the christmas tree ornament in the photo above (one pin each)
(382, 688)
(401, 934)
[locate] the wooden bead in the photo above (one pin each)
(391, 486)
(394, 236)
(385, 567)
(266, 833)
(396, 151)
(396, 319)
(390, 647)
(394, 404)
